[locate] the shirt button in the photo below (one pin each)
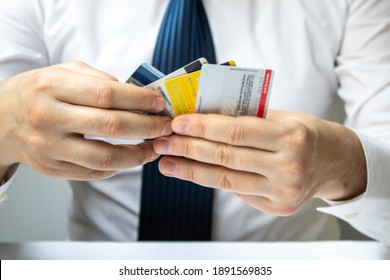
(352, 215)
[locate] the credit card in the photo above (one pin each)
(234, 91)
(159, 85)
(182, 91)
(229, 63)
(144, 75)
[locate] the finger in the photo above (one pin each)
(232, 157)
(269, 206)
(238, 131)
(84, 68)
(214, 176)
(87, 90)
(103, 156)
(111, 123)
(71, 171)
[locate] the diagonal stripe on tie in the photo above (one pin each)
(172, 209)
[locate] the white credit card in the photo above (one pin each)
(159, 85)
(234, 91)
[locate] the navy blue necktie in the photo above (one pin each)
(172, 209)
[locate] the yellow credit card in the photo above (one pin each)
(229, 63)
(182, 92)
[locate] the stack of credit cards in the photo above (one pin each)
(200, 87)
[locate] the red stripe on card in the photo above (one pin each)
(264, 93)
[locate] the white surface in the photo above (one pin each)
(330, 250)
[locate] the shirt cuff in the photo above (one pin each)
(369, 213)
(8, 179)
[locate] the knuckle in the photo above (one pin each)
(113, 125)
(152, 130)
(224, 156)
(105, 161)
(235, 134)
(39, 109)
(186, 149)
(190, 175)
(298, 136)
(202, 128)
(226, 182)
(39, 116)
(41, 79)
(105, 95)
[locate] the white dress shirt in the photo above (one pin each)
(321, 51)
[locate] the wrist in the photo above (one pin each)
(349, 169)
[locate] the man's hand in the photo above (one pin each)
(46, 112)
(275, 164)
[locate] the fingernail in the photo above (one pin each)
(162, 146)
(168, 167)
(180, 126)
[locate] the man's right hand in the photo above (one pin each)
(46, 113)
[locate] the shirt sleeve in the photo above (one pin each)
(22, 48)
(22, 43)
(9, 177)
(363, 69)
